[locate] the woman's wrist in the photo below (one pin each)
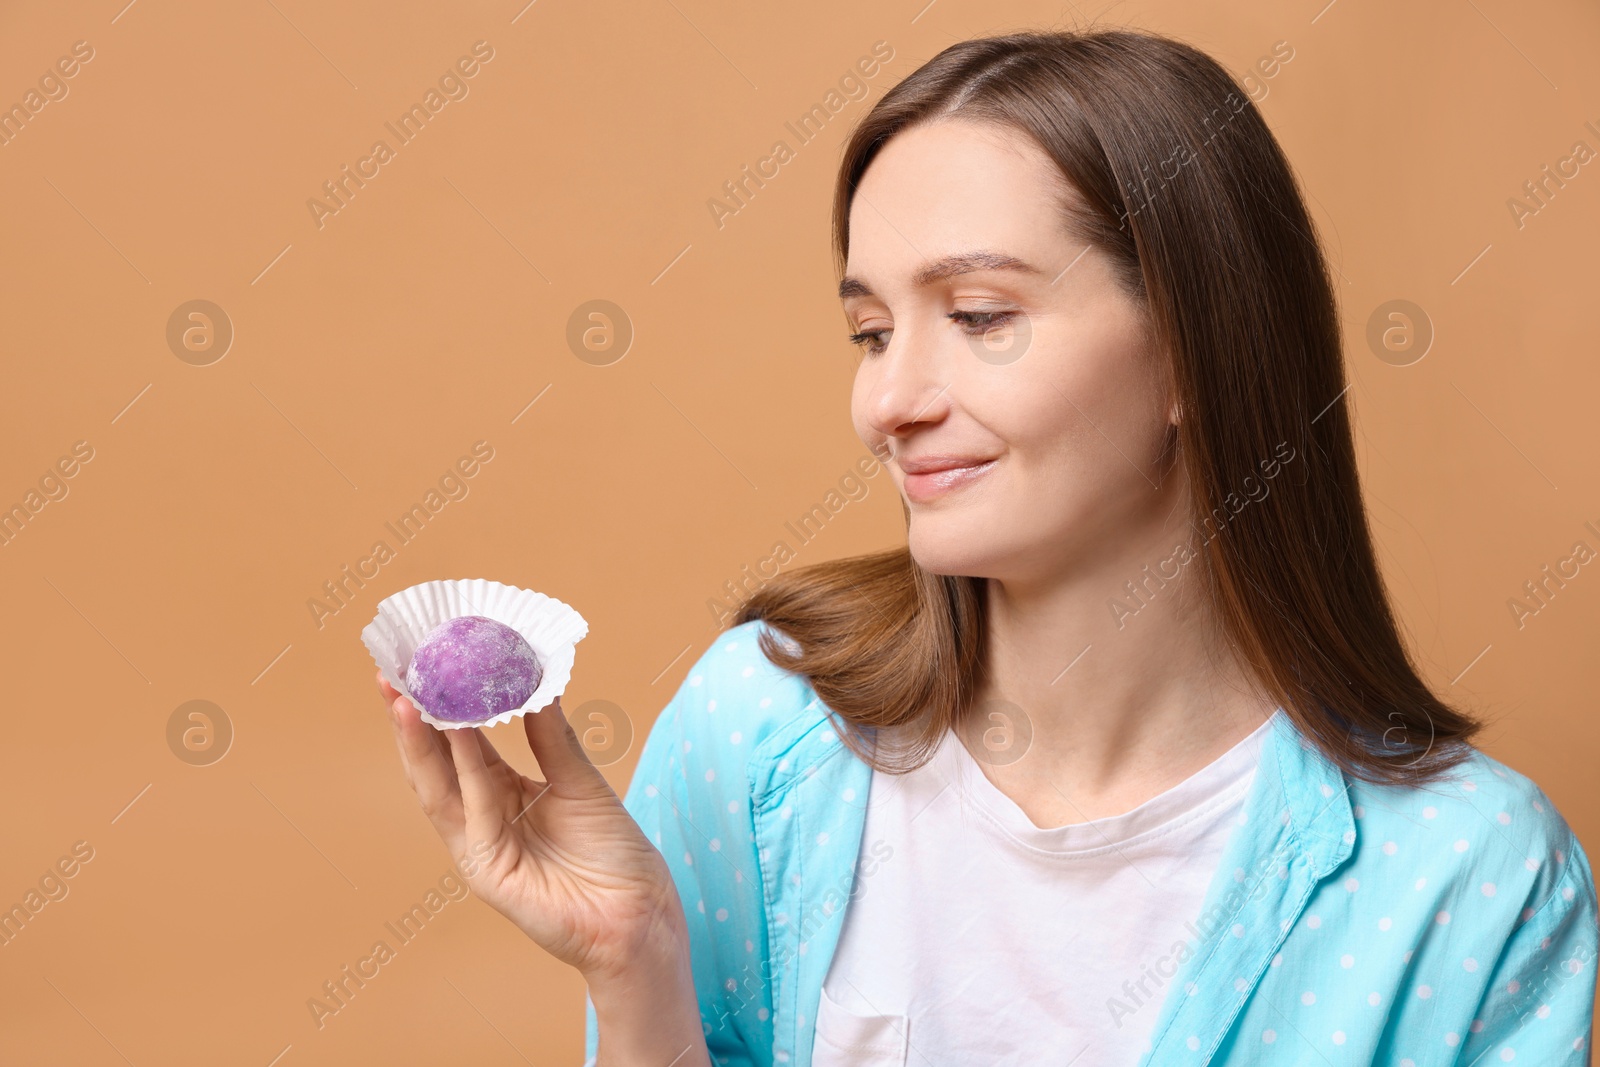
(648, 1014)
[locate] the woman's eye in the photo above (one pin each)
(871, 342)
(980, 322)
(974, 323)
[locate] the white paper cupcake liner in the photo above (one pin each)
(405, 618)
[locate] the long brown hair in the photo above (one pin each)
(1182, 184)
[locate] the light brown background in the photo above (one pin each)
(428, 313)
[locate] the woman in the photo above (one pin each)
(1122, 760)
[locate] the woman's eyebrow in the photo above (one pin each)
(946, 267)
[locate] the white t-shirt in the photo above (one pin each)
(974, 936)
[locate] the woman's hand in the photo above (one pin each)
(561, 858)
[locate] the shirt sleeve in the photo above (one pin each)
(657, 798)
(1539, 1007)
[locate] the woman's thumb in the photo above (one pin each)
(561, 756)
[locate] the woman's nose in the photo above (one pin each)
(911, 384)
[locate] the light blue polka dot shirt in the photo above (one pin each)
(1348, 923)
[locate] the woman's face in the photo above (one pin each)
(1061, 403)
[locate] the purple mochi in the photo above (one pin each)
(470, 668)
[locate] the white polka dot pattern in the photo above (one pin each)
(1363, 923)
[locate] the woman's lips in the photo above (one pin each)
(922, 488)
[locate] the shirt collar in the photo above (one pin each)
(1311, 791)
(1315, 794)
(1301, 828)
(1296, 829)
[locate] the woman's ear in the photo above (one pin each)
(1175, 411)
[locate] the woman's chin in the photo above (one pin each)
(948, 553)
